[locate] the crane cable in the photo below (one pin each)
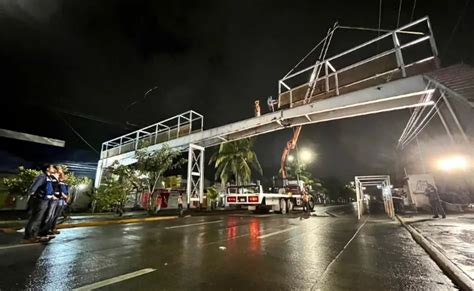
(455, 28)
(78, 134)
(380, 23)
(399, 13)
(413, 11)
(424, 122)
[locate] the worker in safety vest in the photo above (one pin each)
(435, 202)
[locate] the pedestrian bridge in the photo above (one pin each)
(353, 83)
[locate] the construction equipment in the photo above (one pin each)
(291, 144)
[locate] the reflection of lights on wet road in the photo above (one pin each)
(231, 227)
(254, 231)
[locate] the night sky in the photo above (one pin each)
(81, 63)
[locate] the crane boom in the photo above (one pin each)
(291, 144)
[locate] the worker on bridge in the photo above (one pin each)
(257, 108)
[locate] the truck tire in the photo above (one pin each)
(290, 205)
(282, 206)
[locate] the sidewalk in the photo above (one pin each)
(453, 237)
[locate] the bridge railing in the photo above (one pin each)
(168, 129)
(408, 50)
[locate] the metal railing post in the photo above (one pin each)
(398, 53)
(190, 121)
(120, 146)
(434, 48)
(156, 132)
(291, 98)
(136, 140)
(336, 78)
(327, 75)
(179, 125)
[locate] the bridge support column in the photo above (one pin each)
(195, 180)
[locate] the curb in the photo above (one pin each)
(105, 222)
(448, 267)
(331, 214)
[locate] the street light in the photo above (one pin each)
(291, 158)
(306, 155)
(452, 163)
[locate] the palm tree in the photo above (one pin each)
(236, 160)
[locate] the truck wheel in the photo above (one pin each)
(311, 204)
(289, 205)
(283, 206)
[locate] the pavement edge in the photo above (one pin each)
(448, 267)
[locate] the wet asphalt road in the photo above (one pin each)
(229, 252)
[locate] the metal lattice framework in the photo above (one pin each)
(163, 131)
(379, 180)
(335, 75)
(195, 184)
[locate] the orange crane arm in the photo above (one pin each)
(290, 145)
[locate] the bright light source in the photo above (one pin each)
(453, 163)
(306, 155)
(291, 158)
(81, 187)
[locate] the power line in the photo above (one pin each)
(455, 28)
(399, 13)
(142, 99)
(380, 23)
(413, 11)
(79, 135)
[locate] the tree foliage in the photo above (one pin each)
(212, 193)
(235, 160)
(112, 194)
(21, 182)
(147, 172)
(298, 171)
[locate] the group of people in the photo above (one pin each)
(48, 197)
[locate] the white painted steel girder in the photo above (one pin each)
(395, 95)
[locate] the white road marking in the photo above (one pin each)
(19, 246)
(338, 255)
(277, 232)
(192, 224)
(114, 280)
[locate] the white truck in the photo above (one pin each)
(285, 200)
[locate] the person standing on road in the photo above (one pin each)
(305, 201)
(435, 202)
(62, 201)
(180, 204)
(41, 192)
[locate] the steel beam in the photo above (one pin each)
(31, 138)
(395, 95)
